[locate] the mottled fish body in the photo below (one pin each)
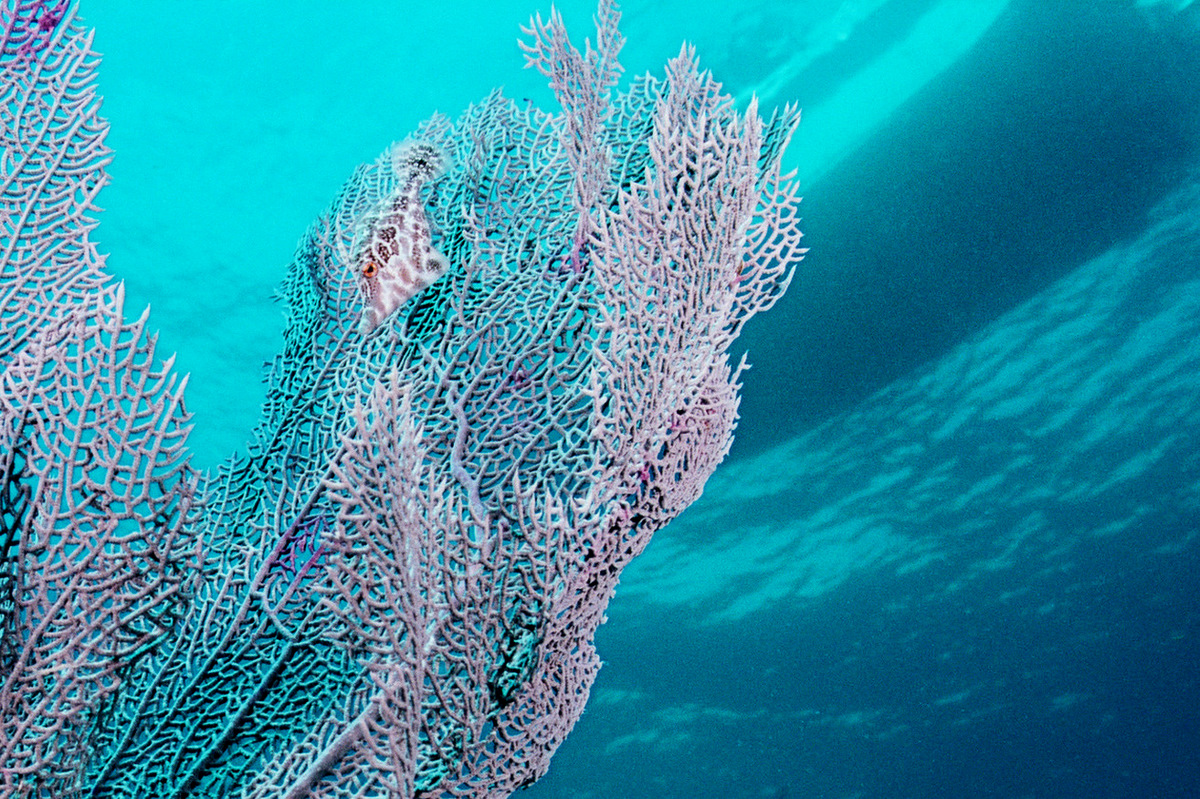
(393, 253)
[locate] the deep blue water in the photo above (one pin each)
(955, 552)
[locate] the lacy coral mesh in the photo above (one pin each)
(398, 586)
(95, 491)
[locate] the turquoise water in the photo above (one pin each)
(954, 551)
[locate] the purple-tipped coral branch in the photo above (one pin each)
(96, 490)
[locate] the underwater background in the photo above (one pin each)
(955, 549)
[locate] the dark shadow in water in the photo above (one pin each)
(1048, 143)
(871, 38)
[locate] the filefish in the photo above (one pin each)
(393, 252)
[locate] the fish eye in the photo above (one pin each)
(370, 268)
